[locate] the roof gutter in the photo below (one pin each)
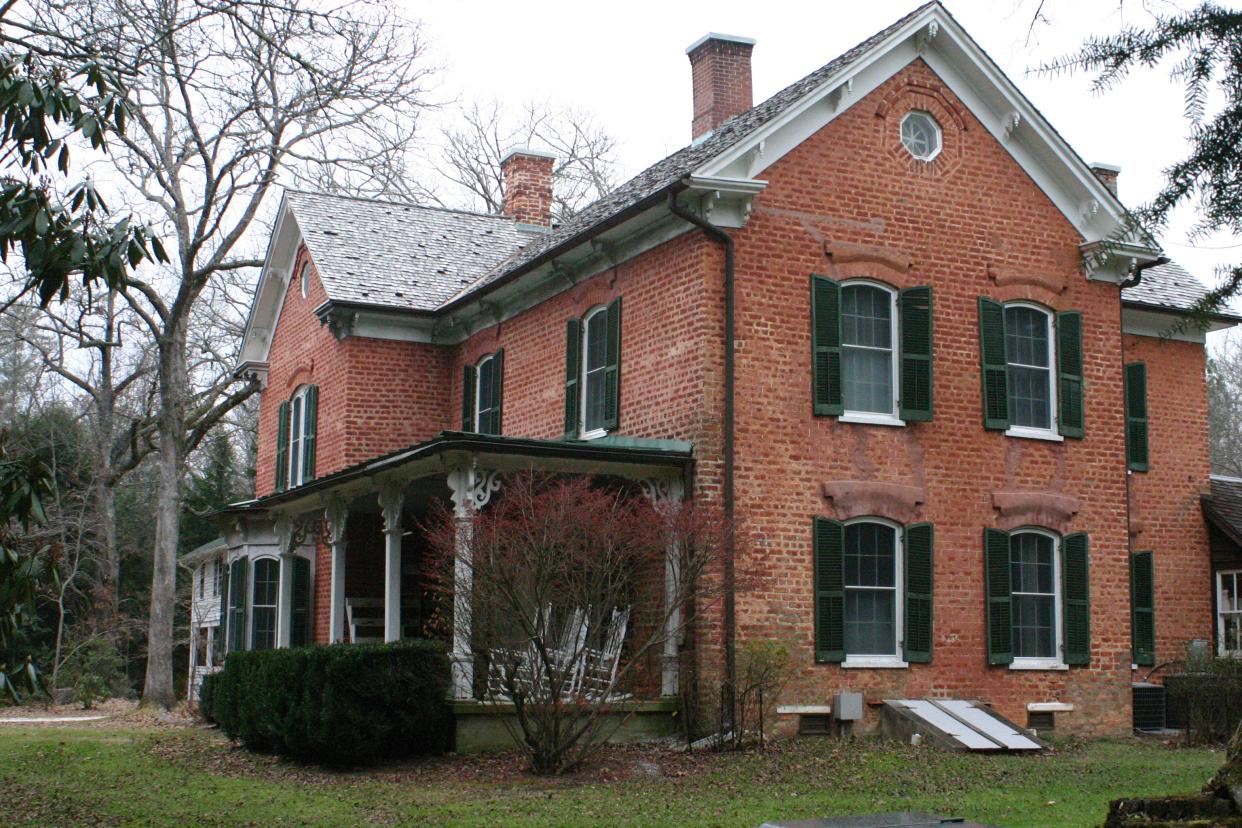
(730, 624)
(1137, 277)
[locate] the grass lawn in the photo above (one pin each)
(128, 773)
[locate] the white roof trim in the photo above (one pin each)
(274, 280)
(972, 76)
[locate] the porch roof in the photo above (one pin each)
(1223, 507)
(626, 456)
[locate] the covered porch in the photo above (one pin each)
(371, 580)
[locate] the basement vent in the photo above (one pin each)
(1149, 707)
(815, 724)
(1041, 720)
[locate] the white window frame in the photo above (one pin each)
(297, 438)
(899, 593)
(937, 130)
(304, 279)
(1236, 574)
(892, 416)
(250, 617)
(478, 388)
(1056, 662)
(1030, 432)
(594, 433)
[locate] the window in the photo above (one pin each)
(1033, 576)
(202, 580)
(1038, 607)
(871, 352)
(920, 135)
(483, 394)
(297, 424)
(237, 604)
(304, 279)
(873, 592)
(1028, 352)
(1229, 613)
(1032, 365)
(868, 331)
(872, 578)
(263, 604)
(219, 570)
(593, 373)
(594, 363)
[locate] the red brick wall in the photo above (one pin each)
(971, 224)
(1165, 516)
(374, 395)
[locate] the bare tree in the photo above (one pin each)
(226, 96)
(574, 587)
(585, 154)
(1224, 374)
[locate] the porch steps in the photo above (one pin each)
(365, 618)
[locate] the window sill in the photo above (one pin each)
(1028, 433)
(873, 663)
(1038, 664)
(871, 418)
(594, 434)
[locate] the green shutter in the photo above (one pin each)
(915, 306)
(829, 554)
(1143, 608)
(1136, 416)
(826, 347)
(993, 364)
(468, 380)
(612, 368)
(498, 393)
(1076, 611)
(573, 376)
(999, 603)
(282, 446)
(310, 427)
(1069, 369)
(920, 544)
(237, 605)
(299, 612)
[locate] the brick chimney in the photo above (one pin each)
(720, 70)
(1107, 174)
(528, 185)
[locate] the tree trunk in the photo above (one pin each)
(173, 383)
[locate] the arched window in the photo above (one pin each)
(488, 393)
(1029, 353)
(304, 279)
(868, 355)
(263, 604)
(1035, 578)
(872, 590)
(295, 458)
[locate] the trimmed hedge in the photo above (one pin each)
(340, 704)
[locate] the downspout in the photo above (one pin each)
(730, 625)
(1137, 276)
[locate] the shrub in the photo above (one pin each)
(90, 689)
(206, 693)
(343, 704)
(1206, 699)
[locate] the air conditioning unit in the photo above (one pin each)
(1148, 706)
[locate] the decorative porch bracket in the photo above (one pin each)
(336, 515)
(662, 490)
(471, 489)
(391, 501)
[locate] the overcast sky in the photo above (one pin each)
(626, 63)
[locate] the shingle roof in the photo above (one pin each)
(1225, 504)
(399, 255)
(1168, 287)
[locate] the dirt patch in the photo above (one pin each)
(116, 713)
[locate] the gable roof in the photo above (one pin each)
(397, 255)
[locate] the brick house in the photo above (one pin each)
(887, 318)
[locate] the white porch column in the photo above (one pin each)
(665, 491)
(470, 489)
(284, 540)
(336, 515)
(391, 500)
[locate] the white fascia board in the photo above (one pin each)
(1160, 325)
(274, 280)
(972, 76)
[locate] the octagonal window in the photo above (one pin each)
(920, 135)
